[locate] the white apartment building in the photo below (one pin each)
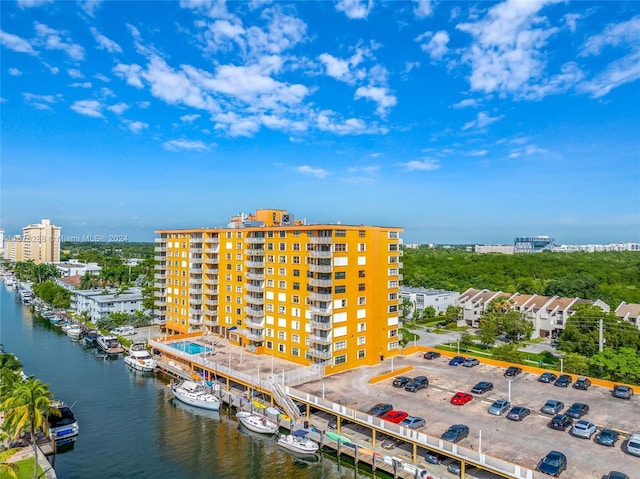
(98, 305)
(75, 268)
(422, 298)
(629, 312)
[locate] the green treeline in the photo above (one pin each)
(612, 277)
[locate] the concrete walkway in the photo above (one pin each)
(26, 452)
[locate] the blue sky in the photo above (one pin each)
(463, 122)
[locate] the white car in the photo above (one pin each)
(633, 446)
(583, 429)
(123, 331)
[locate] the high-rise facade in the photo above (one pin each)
(303, 292)
(41, 242)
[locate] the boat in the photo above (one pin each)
(195, 394)
(139, 357)
(274, 411)
(338, 438)
(65, 324)
(91, 338)
(257, 423)
(298, 442)
(109, 345)
(75, 331)
(64, 427)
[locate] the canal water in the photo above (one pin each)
(130, 426)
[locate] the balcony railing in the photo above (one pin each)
(159, 249)
(320, 296)
(255, 312)
(254, 299)
(254, 264)
(159, 258)
(211, 302)
(321, 325)
(195, 269)
(159, 302)
(160, 240)
(320, 239)
(254, 252)
(212, 250)
(320, 268)
(195, 321)
(195, 280)
(214, 260)
(321, 311)
(159, 266)
(195, 301)
(254, 239)
(321, 354)
(211, 281)
(210, 290)
(159, 294)
(211, 323)
(323, 283)
(195, 290)
(252, 323)
(195, 311)
(255, 336)
(254, 288)
(195, 250)
(255, 276)
(319, 339)
(212, 240)
(320, 254)
(211, 270)
(159, 276)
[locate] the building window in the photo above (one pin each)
(340, 359)
(282, 259)
(340, 247)
(295, 338)
(296, 246)
(239, 278)
(393, 284)
(340, 289)
(228, 299)
(269, 308)
(282, 348)
(270, 258)
(393, 333)
(238, 311)
(295, 259)
(362, 300)
(340, 233)
(393, 308)
(269, 344)
(340, 345)
(282, 247)
(362, 233)
(282, 272)
(282, 284)
(296, 285)
(393, 296)
(282, 335)
(270, 246)
(238, 245)
(295, 299)
(393, 271)
(340, 275)
(270, 271)
(393, 259)
(362, 247)
(295, 352)
(282, 234)
(361, 287)
(362, 353)
(362, 327)
(393, 235)
(393, 247)
(269, 283)
(362, 340)
(296, 273)
(282, 310)
(268, 332)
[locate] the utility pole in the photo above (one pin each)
(601, 335)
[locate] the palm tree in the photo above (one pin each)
(89, 281)
(8, 469)
(26, 410)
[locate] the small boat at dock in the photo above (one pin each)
(257, 423)
(139, 357)
(298, 442)
(195, 394)
(91, 338)
(109, 345)
(75, 332)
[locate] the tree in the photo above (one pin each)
(89, 281)
(516, 326)
(429, 312)
(573, 286)
(405, 307)
(575, 363)
(489, 330)
(43, 272)
(617, 365)
(27, 411)
(508, 352)
(466, 340)
(8, 469)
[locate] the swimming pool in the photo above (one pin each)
(190, 347)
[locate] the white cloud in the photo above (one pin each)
(571, 20)
(41, 102)
(101, 77)
(105, 43)
(624, 33)
(51, 40)
(346, 69)
(362, 174)
(355, 9)
(118, 108)
(211, 8)
(88, 108)
(237, 125)
(436, 47)
(478, 152)
(507, 54)
(73, 73)
(527, 150)
(424, 165)
(85, 84)
(177, 145)
(408, 66)
(189, 118)
(136, 126)
(15, 43)
(32, 3)
(310, 171)
(14, 72)
(381, 96)
(90, 6)
(481, 121)
(131, 73)
(326, 121)
(466, 103)
(335, 67)
(424, 8)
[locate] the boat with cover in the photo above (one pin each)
(139, 357)
(63, 427)
(298, 442)
(257, 423)
(109, 344)
(75, 331)
(195, 394)
(91, 338)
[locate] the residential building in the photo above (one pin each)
(593, 248)
(422, 298)
(1, 242)
(39, 243)
(70, 283)
(473, 303)
(13, 249)
(532, 244)
(629, 312)
(275, 285)
(495, 248)
(75, 268)
(99, 304)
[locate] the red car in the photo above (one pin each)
(460, 398)
(395, 416)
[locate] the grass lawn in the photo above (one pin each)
(25, 469)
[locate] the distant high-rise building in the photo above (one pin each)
(1, 242)
(39, 242)
(532, 244)
(303, 292)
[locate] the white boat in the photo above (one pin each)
(74, 331)
(63, 427)
(257, 423)
(195, 394)
(298, 442)
(109, 345)
(139, 357)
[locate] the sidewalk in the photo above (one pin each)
(26, 452)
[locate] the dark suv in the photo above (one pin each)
(401, 381)
(563, 381)
(417, 383)
(560, 422)
(582, 383)
(512, 371)
(380, 409)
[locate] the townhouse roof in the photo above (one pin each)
(631, 310)
(71, 280)
(520, 300)
(560, 303)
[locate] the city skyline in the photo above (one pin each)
(461, 122)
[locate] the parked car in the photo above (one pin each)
(434, 458)
(518, 413)
(389, 442)
(616, 475)
(623, 392)
(417, 383)
(413, 422)
(431, 355)
(560, 422)
(456, 361)
(499, 407)
(455, 433)
(482, 387)
(607, 437)
(633, 444)
(395, 416)
(380, 409)
(460, 398)
(470, 362)
(577, 410)
(584, 429)
(582, 383)
(123, 331)
(547, 377)
(512, 371)
(563, 381)
(553, 463)
(552, 406)
(454, 467)
(401, 381)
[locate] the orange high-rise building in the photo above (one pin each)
(303, 292)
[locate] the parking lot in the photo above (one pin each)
(523, 442)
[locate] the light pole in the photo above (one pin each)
(458, 346)
(509, 397)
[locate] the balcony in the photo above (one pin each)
(212, 281)
(321, 325)
(322, 283)
(212, 240)
(252, 323)
(159, 303)
(195, 301)
(213, 260)
(159, 258)
(211, 311)
(195, 290)
(211, 270)
(255, 336)
(195, 250)
(321, 311)
(254, 276)
(320, 353)
(159, 294)
(160, 249)
(254, 264)
(319, 339)
(254, 288)
(160, 240)
(159, 266)
(195, 321)
(159, 276)
(210, 323)
(211, 302)
(160, 314)
(195, 280)
(254, 239)
(320, 296)
(195, 311)
(210, 290)
(320, 268)
(320, 239)
(253, 299)
(254, 252)
(319, 254)
(253, 311)
(212, 250)
(195, 269)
